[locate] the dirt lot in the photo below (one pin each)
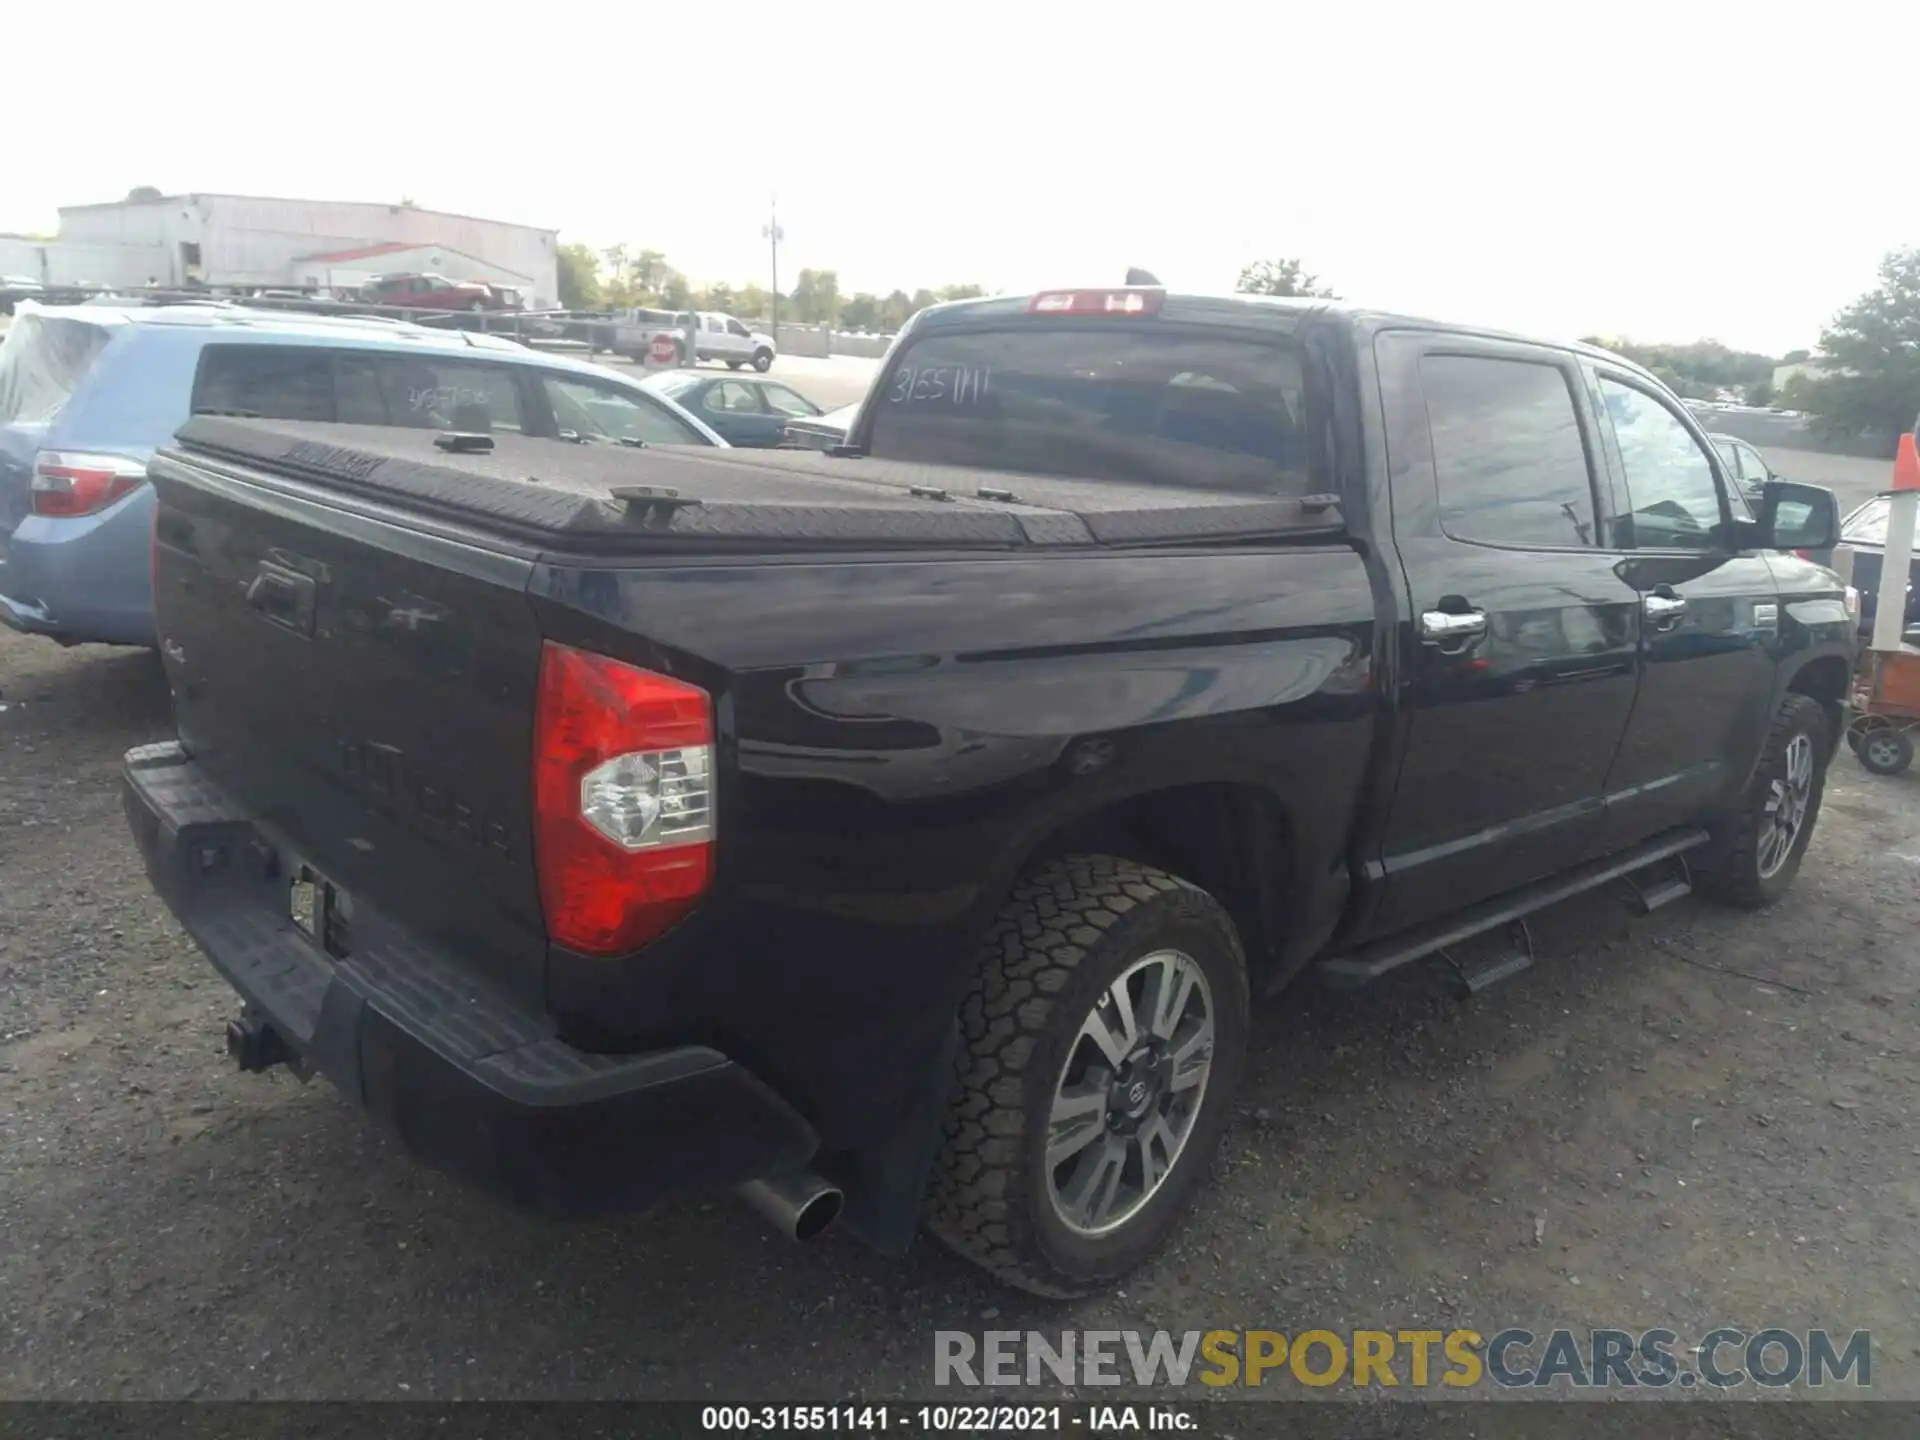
(1631, 1134)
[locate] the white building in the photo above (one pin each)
(255, 240)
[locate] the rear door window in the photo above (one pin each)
(730, 396)
(42, 362)
(1144, 405)
(265, 382)
(1507, 451)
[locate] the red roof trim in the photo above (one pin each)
(365, 252)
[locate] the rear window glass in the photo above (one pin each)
(1868, 524)
(1156, 406)
(42, 363)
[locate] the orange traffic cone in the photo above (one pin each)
(1906, 464)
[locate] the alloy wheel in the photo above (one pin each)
(1129, 1092)
(1788, 799)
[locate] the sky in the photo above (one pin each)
(1648, 171)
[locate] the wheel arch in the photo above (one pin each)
(1236, 840)
(1824, 678)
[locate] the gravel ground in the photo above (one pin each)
(1701, 1117)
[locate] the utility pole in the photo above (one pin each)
(771, 233)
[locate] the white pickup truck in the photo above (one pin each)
(697, 335)
(721, 337)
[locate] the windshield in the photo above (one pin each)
(1147, 404)
(41, 364)
(1868, 524)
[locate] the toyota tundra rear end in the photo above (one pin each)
(615, 821)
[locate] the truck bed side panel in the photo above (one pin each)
(900, 736)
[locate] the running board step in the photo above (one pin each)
(1660, 884)
(1371, 961)
(1469, 980)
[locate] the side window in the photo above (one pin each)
(733, 397)
(267, 382)
(1672, 501)
(588, 411)
(1753, 469)
(424, 392)
(783, 401)
(734, 327)
(1507, 452)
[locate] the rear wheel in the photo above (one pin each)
(1103, 1045)
(1757, 851)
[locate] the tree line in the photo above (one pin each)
(1868, 383)
(623, 278)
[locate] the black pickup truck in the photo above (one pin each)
(902, 830)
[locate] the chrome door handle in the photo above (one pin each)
(1449, 627)
(1664, 610)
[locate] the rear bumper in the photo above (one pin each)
(82, 579)
(473, 1081)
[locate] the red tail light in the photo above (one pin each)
(66, 484)
(1126, 300)
(1804, 554)
(622, 799)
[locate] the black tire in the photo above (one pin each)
(735, 364)
(763, 360)
(1730, 870)
(1067, 933)
(1885, 751)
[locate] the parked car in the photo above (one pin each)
(1865, 531)
(721, 337)
(745, 410)
(15, 288)
(1744, 464)
(87, 392)
(912, 828)
(820, 432)
(433, 292)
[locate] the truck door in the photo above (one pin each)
(1518, 654)
(1710, 615)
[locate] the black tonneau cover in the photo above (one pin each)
(608, 497)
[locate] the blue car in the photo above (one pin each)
(88, 392)
(743, 408)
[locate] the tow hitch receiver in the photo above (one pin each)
(256, 1045)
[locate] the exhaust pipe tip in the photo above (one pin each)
(800, 1206)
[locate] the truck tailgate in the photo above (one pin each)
(366, 690)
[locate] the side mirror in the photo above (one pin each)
(1797, 517)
